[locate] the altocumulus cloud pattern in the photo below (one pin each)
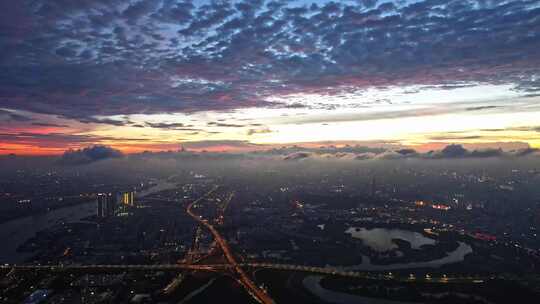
(84, 58)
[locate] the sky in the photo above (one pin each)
(152, 75)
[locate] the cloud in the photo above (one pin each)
(365, 156)
(458, 151)
(169, 126)
(406, 151)
(221, 145)
(452, 151)
(82, 59)
(107, 121)
(89, 155)
(297, 156)
(480, 108)
(48, 124)
(337, 155)
(450, 137)
(224, 125)
(525, 152)
(60, 140)
(12, 116)
(487, 153)
(342, 153)
(264, 130)
(390, 155)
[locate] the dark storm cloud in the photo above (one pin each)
(89, 155)
(84, 58)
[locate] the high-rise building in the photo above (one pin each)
(111, 204)
(106, 204)
(373, 186)
(128, 198)
(101, 205)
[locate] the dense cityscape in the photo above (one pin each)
(270, 151)
(181, 226)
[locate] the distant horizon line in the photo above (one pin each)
(247, 147)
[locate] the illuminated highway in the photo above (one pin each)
(258, 293)
(220, 267)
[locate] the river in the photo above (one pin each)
(455, 256)
(313, 284)
(17, 231)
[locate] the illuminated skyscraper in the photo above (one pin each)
(111, 204)
(106, 204)
(128, 198)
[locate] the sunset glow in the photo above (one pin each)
(278, 77)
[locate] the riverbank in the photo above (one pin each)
(16, 232)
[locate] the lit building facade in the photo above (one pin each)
(128, 198)
(106, 204)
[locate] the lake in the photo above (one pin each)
(381, 239)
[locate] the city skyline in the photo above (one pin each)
(255, 75)
(270, 151)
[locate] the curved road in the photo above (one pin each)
(257, 292)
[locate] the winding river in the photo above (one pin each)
(313, 284)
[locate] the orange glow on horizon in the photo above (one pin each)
(7, 148)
